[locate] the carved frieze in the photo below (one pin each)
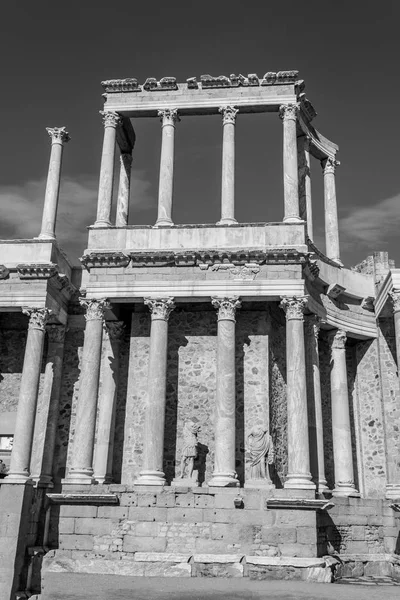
(160, 308)
(38, 317)
(104, 259)
(36, 270)
(294, 307)
(248, 271)
(4, 272)
(121, 85)
(226, 307)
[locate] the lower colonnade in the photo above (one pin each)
(94, 406)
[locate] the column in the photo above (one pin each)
(299, 476)
(341, 430)
(331, 215)
(303, 148)
(153, 451)
(59, 137)
(225, 418)
(81, 466)
(228, 166)
(288, 114)
(121, 219)
(27, 402)
(393, 464)
(166, 184)
(113, 332)
(110, 120)
(316, 432)
(47, 419)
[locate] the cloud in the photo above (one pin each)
(370, 226)
(22, 205)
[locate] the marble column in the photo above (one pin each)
(47, 418)
(288, 114)
(111, 120)
(59, 137)
(331, 214)
(299, 476)
(224, 474)
(81, 466)
(28, 394)
(304, 162)
(154, 423)
(228, 166)
(121, 219)
(113, 333)
(166, 184)
(393, 466)
(316, 432)
(341, 429)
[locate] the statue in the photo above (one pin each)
(190, 450)
(261, 453)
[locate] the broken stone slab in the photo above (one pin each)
(167, 569)
(83, 498)
(299, 503)
(285, 561)
(217, 558)
(366, 557)
(162, 557)
(318, 574)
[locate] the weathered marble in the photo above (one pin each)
(288, 114)
(331, 215)
(304, 162)
(166, 182)
(228, 166)
(122, 213)
(110, 120)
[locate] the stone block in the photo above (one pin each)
(66, 525)
(270, 535)
(75, 542)
(170, 557)
(129, 499)
(78, 511)
(211, 546)
(218, 570)
(254, 500)
(358, 532)
(301, 550)
(184, 500)
(378, 569)
(295, 518)
(167, 569)
(390, 544)
(204, 501)
(166, 499)
(132, 543)
(146, 500)
(154, 513)
(191, 515)
(261, 572)
(112, 512)
(224, 500)
(318, 574)
(95, 526)
(359, 547)
(306, 535)
(147, 529)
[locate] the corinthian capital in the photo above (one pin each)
(168, 116)
(59, 135)
(160, 308)
(395, 296)
(288, 112)
(37, 317)
(115, 329)
(294, 307)
(56, 333)
(226, 307)
(94, 308)
(110, 119)
(329, 165)
(338, 339)
(228, 114)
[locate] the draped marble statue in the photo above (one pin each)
(261, 453)
(190, 450)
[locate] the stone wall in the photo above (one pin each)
(13, 331)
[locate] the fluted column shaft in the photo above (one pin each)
(299, 476)
(81, 465)
(59, 137)
(28, 393)
(331, 214)
(47, 420)
(121, 219)
(166, 184)
(111, 121)
(224, 474)
(393, 465)
(303, 144)
(113, 332)
(288, 114)
(228, 166)
(153, 452)
(317, 459)
(341, 429)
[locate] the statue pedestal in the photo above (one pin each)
(259, 484)
(185, 482)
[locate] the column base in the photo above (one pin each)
(19, 478)
(292, 219)
(151, 478)
(224, 480)
(393, 491)
(227, 221)
(43, 481)
(163, 223)
(322, 485)
(45, 236)
(102, 224)
(103, 480)
(344, 490)
(299, 481)
(259, 484)
(185, 482)
(337, 261)
(78, 477)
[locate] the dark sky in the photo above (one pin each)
(54, 55)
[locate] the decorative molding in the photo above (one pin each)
(294, 307)
(82, 498)
(311, 270)
(4, 272)
(110, 119)
(338, 340)
(329, 165)
(160, 308)
(115, 329)
(395, 297)
(62, 283)
(288, 112)
(112, 86)
(306, 107)
(37, 317)
(313, 248)
(56, 333)
(104, 259)
(168, 116)
(228, 114)
(226, 307)
(335, 290)
(94, 308)
(59, 135)
(36, 270)
(248, 271)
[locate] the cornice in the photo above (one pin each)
(36, 270)
(104, 259)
